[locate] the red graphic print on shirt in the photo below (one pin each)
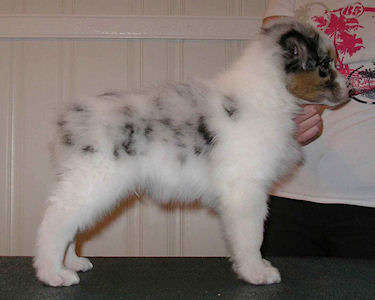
(343, 26)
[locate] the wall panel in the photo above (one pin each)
(208, 7)
(6, 7)
(42, 6)
(6, 155)
(36, 89)
(104, 68)
(108, 7)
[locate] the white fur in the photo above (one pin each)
(250, 151)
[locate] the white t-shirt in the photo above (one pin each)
(339, 166)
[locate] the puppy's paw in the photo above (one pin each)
(60, 277)
(260, 273)
(78, 264)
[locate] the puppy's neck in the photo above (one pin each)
(258, 78)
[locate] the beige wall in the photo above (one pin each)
(37, 74)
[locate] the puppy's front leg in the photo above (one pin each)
(243, 210)
(74, 262)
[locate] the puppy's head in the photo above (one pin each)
(309, 60)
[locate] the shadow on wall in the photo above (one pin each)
(127, 204)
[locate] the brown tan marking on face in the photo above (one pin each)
(309, 86)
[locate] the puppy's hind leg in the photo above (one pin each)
(243, 210)
(83, 194)
(57, 230)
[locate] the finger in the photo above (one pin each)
(309, 123)
(309, 135)
(308, 111)
(314, 108)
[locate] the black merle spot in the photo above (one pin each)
(158, 103)
(67, 139)
(88, 148)
(229, 106)
(230, 110)
(148, 130)
(77, 108)
(204, 131)
(127, 111)
(197, 150)
(116, 152)
(110, 94)
(129, 128)
(178, 135)
(61, 123)
(184, 90)
(127, 145)
(166, 121)
(177, 131)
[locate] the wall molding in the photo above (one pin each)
(128, 27)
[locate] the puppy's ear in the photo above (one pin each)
(299, 51)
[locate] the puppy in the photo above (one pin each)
(223, 141)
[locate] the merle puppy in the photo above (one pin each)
(223, 141)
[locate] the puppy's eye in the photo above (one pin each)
(324, 64)
(324, 67)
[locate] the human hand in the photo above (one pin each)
(309, 123)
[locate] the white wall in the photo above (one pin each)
(37, 74)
